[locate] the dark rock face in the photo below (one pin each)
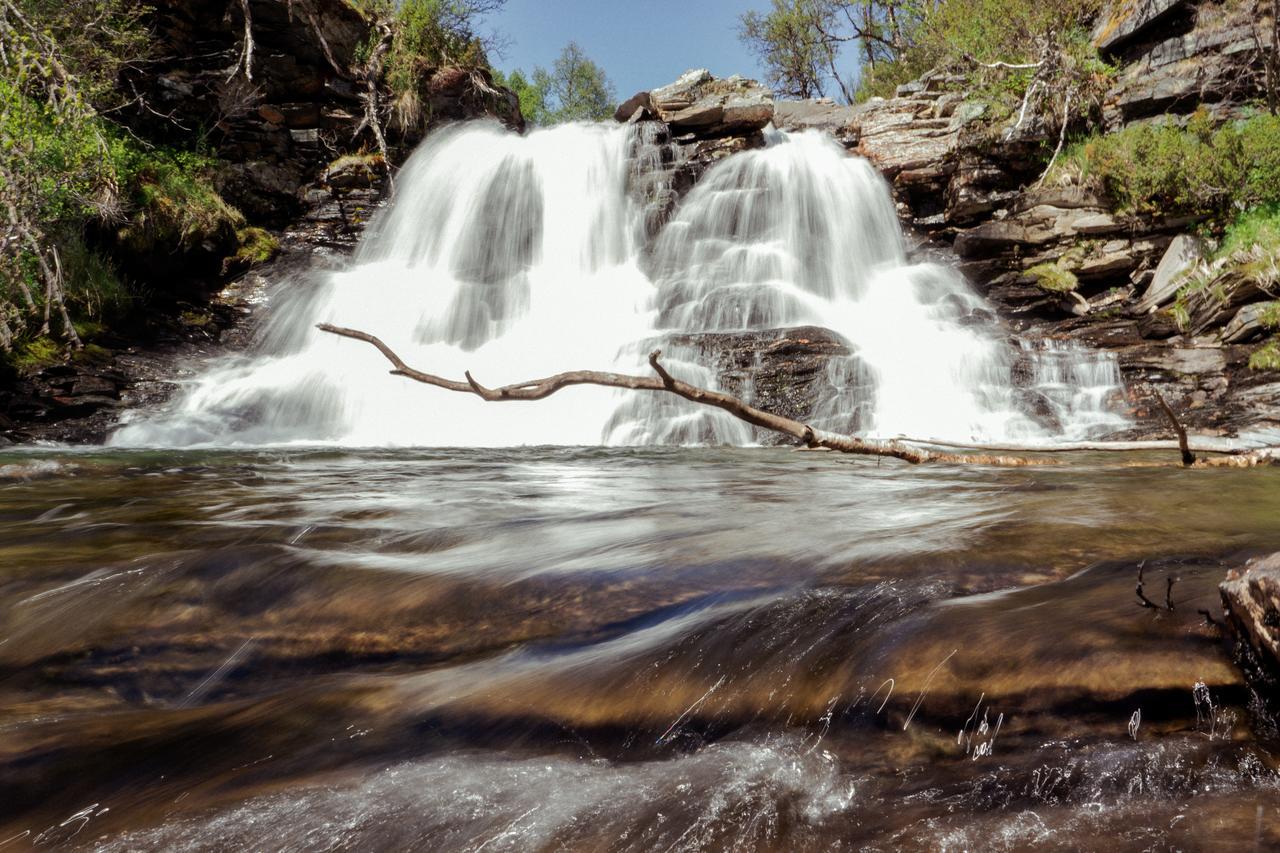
(302, 107)
(778, 370)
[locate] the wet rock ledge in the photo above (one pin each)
(1251, 602)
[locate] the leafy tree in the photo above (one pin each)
(575, 89)
(790, 43)
(580, 88)
(533, 99)
(799, 41)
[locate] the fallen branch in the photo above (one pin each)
(905, 449)
(539, 389)
(1207, 445)
(998, 64)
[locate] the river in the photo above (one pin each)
(623, 649)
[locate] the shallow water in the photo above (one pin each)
(688, 649)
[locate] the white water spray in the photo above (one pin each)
(515, 257)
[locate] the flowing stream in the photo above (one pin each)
(621, 649)
(516, 257)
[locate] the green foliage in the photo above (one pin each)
(1257, 227)
(1266, 357)
(883, 79)
(257, 246)
(1197, 170)
(74, 184)
(989, 31)
(533, 99)
(432, 33)
(93, 286)
(1053, 278)
(35, 354)
(790, 43)
(174, 202)
(575, 89)
(426, 35)
(96, 41)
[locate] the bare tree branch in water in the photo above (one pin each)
(903, 449)
(1188, 458)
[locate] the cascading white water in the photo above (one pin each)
(512, 257)
(519, 256)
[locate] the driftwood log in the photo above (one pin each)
(908, 450)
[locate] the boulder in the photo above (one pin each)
(1251, 601)
(780, 370)
(1246, 325)
(637, 103)
(704, 107)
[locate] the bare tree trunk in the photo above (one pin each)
(539, 389)
(245, 62)
(372, 72)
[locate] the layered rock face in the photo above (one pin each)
(973, 188)
(685, 127)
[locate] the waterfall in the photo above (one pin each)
(516, 256)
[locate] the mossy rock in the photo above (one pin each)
(1053, 278)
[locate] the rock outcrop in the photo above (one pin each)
(1251, 602)
(704, 107)
(302, 108)
(684, 128)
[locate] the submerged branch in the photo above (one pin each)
(905, 449)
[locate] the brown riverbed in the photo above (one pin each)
(607, 649)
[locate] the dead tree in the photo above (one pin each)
(810, 437)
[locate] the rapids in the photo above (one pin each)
(518, 256)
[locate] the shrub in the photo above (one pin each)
(989, 31)
(1266, 357)
(426, 35)
(1257, 227)
(1191, 171)
(256, 246)
(172, 201)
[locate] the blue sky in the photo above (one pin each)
(641, 44)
